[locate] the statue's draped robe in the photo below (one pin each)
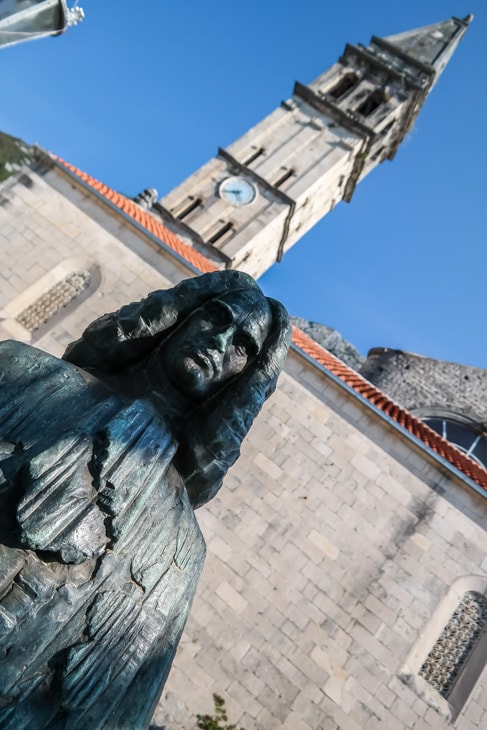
(100, 551)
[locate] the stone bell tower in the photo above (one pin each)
(253, 201)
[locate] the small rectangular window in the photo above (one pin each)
(371, 103)
(387, 128)
(220, 233)
(186, 208)
(377, 153)
(347, 82)
(283, 178)
(254, 156)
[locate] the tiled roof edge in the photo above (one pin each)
(142, 217)
(382, 402)
(303, 342)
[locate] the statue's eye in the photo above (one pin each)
(219, 313)
(244, 346)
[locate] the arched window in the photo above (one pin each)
(464, 436)
(455, 645)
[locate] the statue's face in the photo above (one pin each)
(216, 342)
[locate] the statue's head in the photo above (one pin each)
(219, 342)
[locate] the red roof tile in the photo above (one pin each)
(145, 219)
(405, 419)
(355, 381)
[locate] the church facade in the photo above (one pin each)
(346, 579)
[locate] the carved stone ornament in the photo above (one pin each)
(103, 457)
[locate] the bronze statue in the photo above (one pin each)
(103, 457)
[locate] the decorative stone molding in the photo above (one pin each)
(38, 304)
(449, 656)
(454, 645)
(53, 300)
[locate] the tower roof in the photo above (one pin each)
(432, 45)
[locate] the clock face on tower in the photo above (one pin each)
(237, 191)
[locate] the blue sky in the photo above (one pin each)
(141, 94)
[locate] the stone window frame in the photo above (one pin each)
(284, 177)
(188, 207)
(255, 155)
(455, 645)
(372, 102)
(52, 301)
(11, 311)
(219, 233)
(342, 85)
(466, 680)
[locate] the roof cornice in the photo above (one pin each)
(351, 380)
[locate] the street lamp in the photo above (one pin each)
(25, 20)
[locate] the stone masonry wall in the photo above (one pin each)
(331, 545)
(420, 383)
(48, 228)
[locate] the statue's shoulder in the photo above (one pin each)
(42, 396)
(19, 359)
(14, 348)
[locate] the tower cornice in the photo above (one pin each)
(380, 64)
(396, 51)
(325, 105)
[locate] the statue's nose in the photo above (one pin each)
(224, 337)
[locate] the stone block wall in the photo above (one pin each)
(49, 228)
(422, 383)
(332, 547)
(338, 546)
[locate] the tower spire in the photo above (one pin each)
(431, 46)
(248, 205)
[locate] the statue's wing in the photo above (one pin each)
(113, 678)
(97, 480)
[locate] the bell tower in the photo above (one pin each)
(253, 201)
